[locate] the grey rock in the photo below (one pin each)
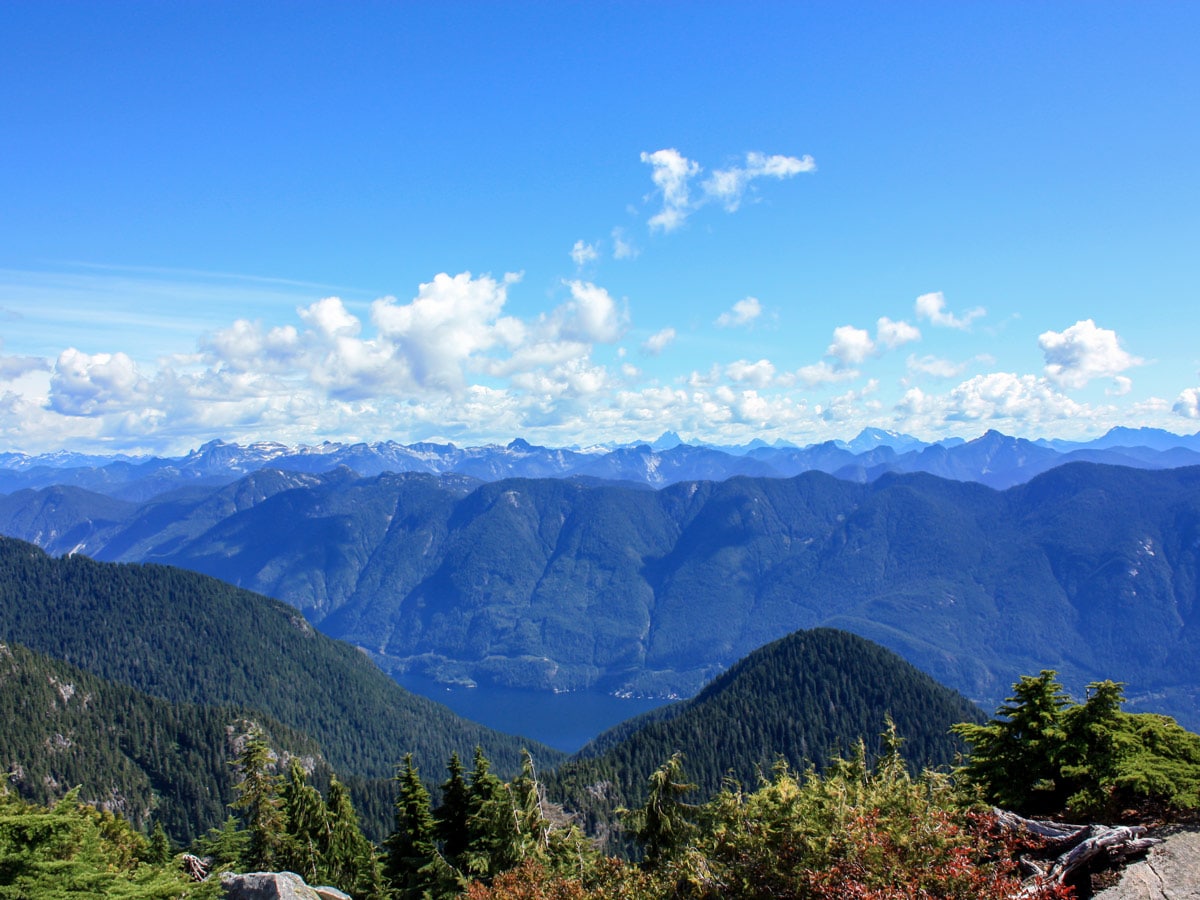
(1170, 871)
(325, 892)
(267, 886)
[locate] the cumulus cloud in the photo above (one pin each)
(592, 315)
(451, 319)
(583, 253)
(744, 312)
(891, 334)
(933, 307)
(673, 175)
(83, 384)
(759, 374)
(1083, 352)
(1005, 395)
(1187, 404)
(850, 345)
(659, 341)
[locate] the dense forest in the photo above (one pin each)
(126, 752)
(802, 700)
(188, 638)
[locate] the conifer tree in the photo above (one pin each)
(348, 858)
(663, 825)
(491, 822)
(452, 816)
(307, 825)
(260, 803)
(411, 849)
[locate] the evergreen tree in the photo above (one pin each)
(259, 801)
(1049, 755)
(664, 824)
(452, 816)
(412, 854)
(307, 825)
(348, 859)
(160, 850)
(226, 845)
(1016, 758)
(492, 835)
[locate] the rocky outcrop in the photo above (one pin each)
(275, 886)
(1170, 871)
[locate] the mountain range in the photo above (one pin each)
(564, 584)
(993, 459)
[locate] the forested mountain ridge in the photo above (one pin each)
(132, 754)
(803, 699)
(188, 638)
(561, 584)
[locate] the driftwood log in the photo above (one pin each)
(1080, 848)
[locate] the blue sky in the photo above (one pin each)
(579, 223)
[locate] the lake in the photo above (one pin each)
(565, 721)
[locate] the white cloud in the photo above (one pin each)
(13, 367)
(1083, 352)
(592, 315)
(759, 374)
(824, 373)
(583, 253)
(1120, 387)
(728, 186)
(672, 173)
(450, 320)
(1187, 404)
(1004, 395)
(891, 334)
(934, 366)
(84, 384)
(743, 313)
(933, 307)
(850, 345)
(852, 405)
(659, 341)
(623, 248)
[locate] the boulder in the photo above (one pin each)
(1171, 871)
(267, 886)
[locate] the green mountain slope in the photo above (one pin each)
(1088, 569)
(804, 699)
(188, 638)
(128, 752)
